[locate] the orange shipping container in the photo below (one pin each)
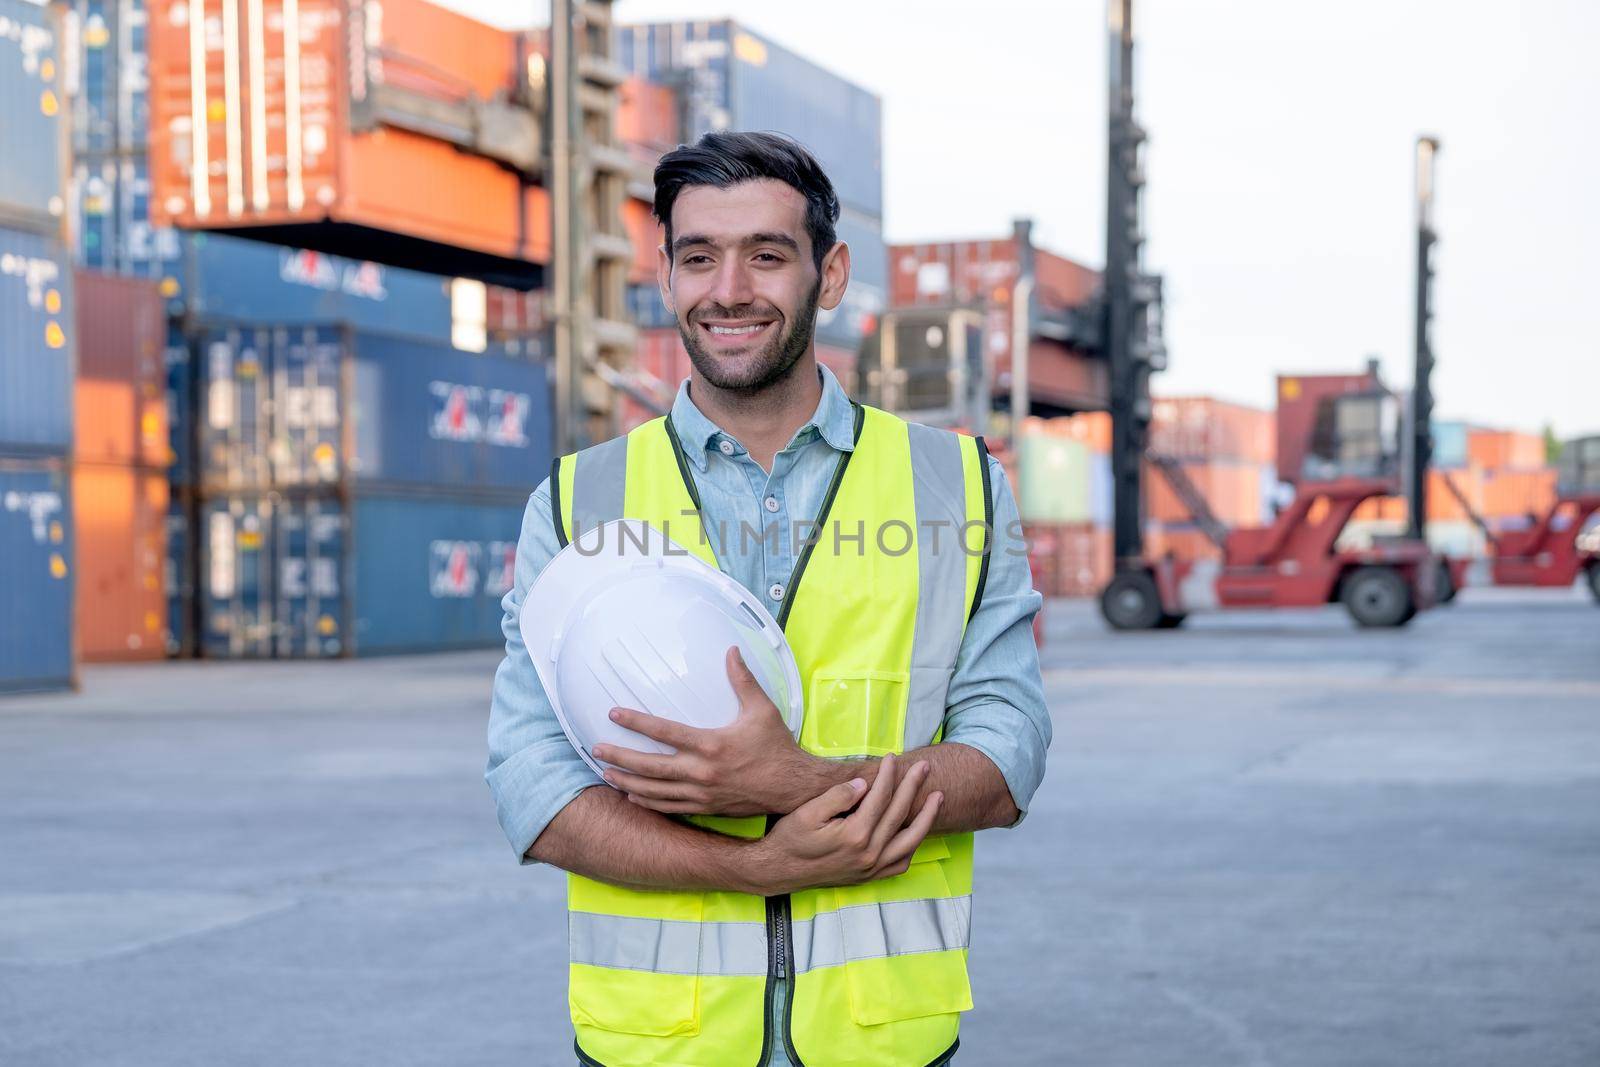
(120, 513)
(1069, 559)
(1234, 492)
(1502, 449)
(120, 393)
(1442, 503)
(1205, 429)
(1517, 494)
(361, 124)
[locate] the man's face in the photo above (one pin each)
(739, 276)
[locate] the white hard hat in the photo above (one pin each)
(625, 617)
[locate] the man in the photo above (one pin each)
(750, 900)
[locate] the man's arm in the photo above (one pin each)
(988, 763)
(853, 832)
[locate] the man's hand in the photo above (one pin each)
(823, 843)
(750, 767)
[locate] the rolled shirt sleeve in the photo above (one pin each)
(533, 770)
(996, 697)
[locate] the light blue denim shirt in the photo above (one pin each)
(996, 698)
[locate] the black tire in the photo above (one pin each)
(1594, 581)
(1170, 622)
(1445, 584)
(1378, 597)
(1131, 602)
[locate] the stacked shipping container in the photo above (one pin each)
(36, 358)
(121, 454)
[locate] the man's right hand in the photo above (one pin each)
(823, 842)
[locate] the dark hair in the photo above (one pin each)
(724, 158)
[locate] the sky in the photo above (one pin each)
(1279, 205)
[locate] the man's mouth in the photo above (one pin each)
(735, 331)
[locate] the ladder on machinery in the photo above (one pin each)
(1191, 497)
(1466, 506)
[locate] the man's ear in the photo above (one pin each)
(835, 276)
(664, 276)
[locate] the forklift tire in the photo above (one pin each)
(1378, 597)
(1594, 581)
(1131, 602)
(1445, 584)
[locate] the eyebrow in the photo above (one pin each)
(700, 240)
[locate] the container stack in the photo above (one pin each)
(121, 453)
(1061, 475)
(36, 358)
(1228, 452)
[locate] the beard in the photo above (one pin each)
(751, 372)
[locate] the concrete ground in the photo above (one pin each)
(1265, 839)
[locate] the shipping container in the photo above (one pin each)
(110, 195)
(311, 576)
(32, 117)
(180, 574)
(36, 550)
(1055, 479)
(1205, 429)
(1068, 559)
(1505, 449)
(360, 123)
(316, 406)
(36, 344)
(111, 104)
(1518, 494)
(1449, 445)
(121, 391)
(120, 513)
(1231, 489)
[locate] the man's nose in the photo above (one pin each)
(732, 286)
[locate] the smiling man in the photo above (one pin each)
(750, 899)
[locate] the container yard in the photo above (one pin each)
(1288, 651)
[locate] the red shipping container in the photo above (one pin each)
(121, 516)
(120, 393)
(301, 133)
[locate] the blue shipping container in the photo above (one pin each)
(310, 577)
(735, 79)
(35, 576)
(319, 405)
(230, 279)
(1449, 445)
(111, 112)
(32, 114)
(36, 345)
(112, 198)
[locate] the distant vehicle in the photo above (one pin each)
(1354, 455)
(1554, 549)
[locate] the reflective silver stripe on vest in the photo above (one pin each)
(873, 931)
(667, 946)
(598, 484)
(940, 490)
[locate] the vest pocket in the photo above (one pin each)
(632, 975)
(922, 968)
(857, 712)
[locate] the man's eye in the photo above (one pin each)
(696, 259)
(768, 256)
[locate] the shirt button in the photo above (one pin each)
(775, 591)
(726, 447)
(771, 503)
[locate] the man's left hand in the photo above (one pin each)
(752, 766)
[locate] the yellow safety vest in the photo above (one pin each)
(878, 971)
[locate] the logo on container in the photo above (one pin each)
(453, 568)
(508, 418)
(38, 507)
(304, 267)
(456, 412)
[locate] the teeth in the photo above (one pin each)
(734, 331)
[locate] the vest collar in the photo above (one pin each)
(834, 420)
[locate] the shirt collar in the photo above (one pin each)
(834, 420)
